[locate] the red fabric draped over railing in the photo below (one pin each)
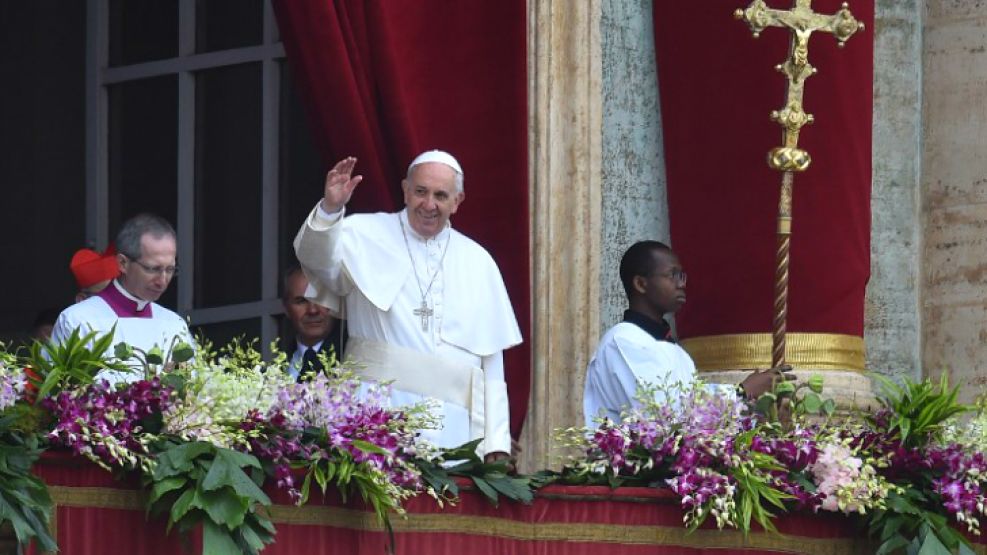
(383, 81)
(97, 514)
(717, 86)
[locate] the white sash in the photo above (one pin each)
(424, 374)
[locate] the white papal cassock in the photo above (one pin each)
(141, 324)
(361, 263)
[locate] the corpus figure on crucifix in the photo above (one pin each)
(426, 306)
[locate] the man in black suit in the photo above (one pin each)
(316, 330)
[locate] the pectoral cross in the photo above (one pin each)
(801, 21)
(424, 313)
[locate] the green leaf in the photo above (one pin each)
(932, 546)
(829, 407)
(164, 486)
(892, 544)
(178, 459)
(218, 475)
(765, 402)
(812, 403)
(155, 356)
(217, 541)
(368, 447)
(784, 388)
(816, 383)
(182, 506)
(905, 425)
(238, 459)
(466, 451)
(251, 538)
(229, 473)
(486, 490)
(515, 489)
(224, 507)
(183, 352)
(123, 351)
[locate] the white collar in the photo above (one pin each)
(141, 303)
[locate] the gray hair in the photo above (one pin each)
(128, 240)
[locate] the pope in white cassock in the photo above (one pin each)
(426, 306)
(146, 251)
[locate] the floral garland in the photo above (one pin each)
(910, 471)
(206, 430)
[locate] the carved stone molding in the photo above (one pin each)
(565, 126)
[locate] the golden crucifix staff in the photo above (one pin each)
(802, 22)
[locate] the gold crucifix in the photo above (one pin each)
(801, 21)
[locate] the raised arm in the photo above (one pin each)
(317, 240)
(339, 185)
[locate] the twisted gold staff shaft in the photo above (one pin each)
(801, 21)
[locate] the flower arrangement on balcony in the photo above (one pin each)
(205, 429)
(909, 472)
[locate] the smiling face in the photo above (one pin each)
(148, 276)
(431, 197)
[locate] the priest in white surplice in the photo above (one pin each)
(426, 305)
(146, 251)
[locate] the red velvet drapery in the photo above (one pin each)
(718, 86)
(384, 81)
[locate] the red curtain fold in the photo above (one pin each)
(717, 86)
(383, 81)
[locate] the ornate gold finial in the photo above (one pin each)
(801, 21)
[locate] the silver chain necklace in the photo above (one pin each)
(423, 312)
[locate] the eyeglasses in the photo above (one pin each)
(678, 276)
(166, 271)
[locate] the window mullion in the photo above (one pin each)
(97, 124)
(186, 160)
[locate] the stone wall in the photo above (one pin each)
(892, 329)
(954, 192)
(633, 188)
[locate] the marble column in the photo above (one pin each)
(564, 138)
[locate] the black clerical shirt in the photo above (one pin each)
(660, 329)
